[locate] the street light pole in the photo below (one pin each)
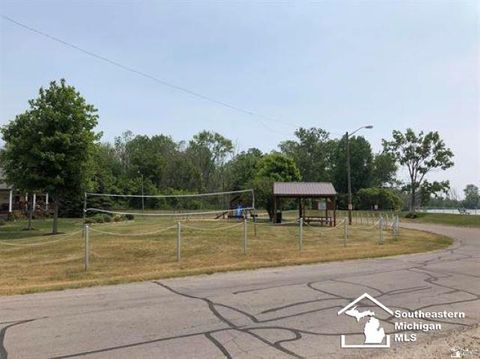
(349, 178)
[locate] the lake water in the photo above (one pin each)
(449, 210)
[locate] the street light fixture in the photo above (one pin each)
(348, 171)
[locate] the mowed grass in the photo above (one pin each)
(448, 219)
(31, 261)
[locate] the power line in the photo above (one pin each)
(151, 77)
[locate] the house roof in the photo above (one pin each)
(303, 189)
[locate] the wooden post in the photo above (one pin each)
(274, 218)
(334, 211)
(300, 237)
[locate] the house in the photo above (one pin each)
(12, 200)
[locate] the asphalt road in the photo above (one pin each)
(288, 312)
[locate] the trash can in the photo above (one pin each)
(278, 217)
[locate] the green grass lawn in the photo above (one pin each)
(444, 218)
(31, 261)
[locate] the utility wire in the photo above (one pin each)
(151, 77)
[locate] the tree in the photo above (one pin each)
(207, 152)
(149, 156)
(49, 147)
(472, 196)
(420, 153)
(241, 170)
(428, 190)
(384, 170)
(274, 167)
(311, 153)
(361, 164)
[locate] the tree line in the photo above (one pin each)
(53, 147)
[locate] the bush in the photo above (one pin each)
(90, 220)
(107, 218)
(385, 199)
(2, 222)
(129, 217)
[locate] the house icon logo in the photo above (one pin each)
(375, 336)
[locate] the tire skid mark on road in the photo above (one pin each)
(216, 313)
(218, 345)
(132, 345)
(3, 332)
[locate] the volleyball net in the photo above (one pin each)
(213, 205)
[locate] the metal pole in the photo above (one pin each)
(84, 207)
(394, 227)
(86, 246)
(380, 226)
(345, 232)
(254, 222)
(300, 237)
(179, 237)
(397, 227)
(349, 180)
(245, 239)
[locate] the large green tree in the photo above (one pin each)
(207, 152)
(420, 154)
(274, 167)
(241, 170)
(361, 164)
(472, 196)
(384, 170)
(312, 152)
(49, 147)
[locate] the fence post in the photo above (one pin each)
(87, 234)
(245, 239)
(380, 226)
(179, 238)
(345, 232)
(300, 237)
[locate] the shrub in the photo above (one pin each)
(98, 218)
(2, 222)
(367, 198)
(129, 217)
(107, 218)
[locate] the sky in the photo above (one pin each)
(337, 65)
